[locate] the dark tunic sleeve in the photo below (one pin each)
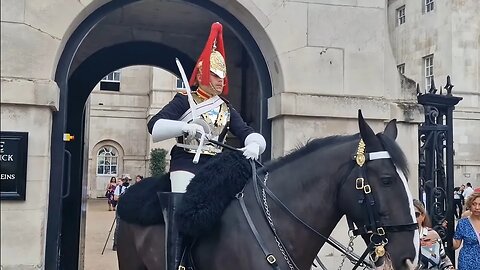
(238, 127)
(172, 111)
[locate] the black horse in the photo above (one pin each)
(361, 176)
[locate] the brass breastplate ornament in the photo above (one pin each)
(215, 122)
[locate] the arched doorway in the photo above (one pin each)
(87, 57)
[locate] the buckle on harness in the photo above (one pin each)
(359, 183)
(367, 189)
(381, 231)
(379, 251)
(271, 259)
(181, 267)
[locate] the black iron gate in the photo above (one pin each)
(436, 179)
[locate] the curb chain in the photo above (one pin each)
(349, 250)
(270, 221)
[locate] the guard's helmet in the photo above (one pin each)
(212, 58)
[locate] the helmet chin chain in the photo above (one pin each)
(214, 88)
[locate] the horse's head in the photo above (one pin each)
(375, 196)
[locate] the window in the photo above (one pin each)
(401, 68)
(429, 5)
(180, 84)
(111, 82)
(107, 161)
(428, 63)
(401, 15)
(112, 77)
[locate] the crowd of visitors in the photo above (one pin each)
(432, 251)
(466, 237)
(114, 190)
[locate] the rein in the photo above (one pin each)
(375, 229)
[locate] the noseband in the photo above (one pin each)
(375, 229)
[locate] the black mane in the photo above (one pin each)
(310, 146)
(397, 155)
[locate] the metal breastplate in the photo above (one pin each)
(215, 122)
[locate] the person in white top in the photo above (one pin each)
(468, 191)
(119, 190)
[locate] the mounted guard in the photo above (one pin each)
(198, 111)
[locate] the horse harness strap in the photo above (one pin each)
(269, 257)
(374, 228)
(266, 214)
(279, 203)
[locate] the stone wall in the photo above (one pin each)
(450, 32)
(335, 59)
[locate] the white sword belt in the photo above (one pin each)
(206, 149)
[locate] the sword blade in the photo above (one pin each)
(187, 87)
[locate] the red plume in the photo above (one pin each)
(216, 34)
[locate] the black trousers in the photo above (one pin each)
(457, 208)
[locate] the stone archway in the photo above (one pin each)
(79, 70)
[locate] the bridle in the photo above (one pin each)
(375, 229)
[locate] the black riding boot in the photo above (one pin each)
(170, 202)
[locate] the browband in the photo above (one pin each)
(378, 155)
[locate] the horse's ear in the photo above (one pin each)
(391, 129)
(367, 133)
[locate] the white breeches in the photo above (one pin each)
(180, 180)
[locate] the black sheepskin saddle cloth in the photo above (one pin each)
(207, 196)
(211, 191)
(140, 205)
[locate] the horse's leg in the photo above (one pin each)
(127, 252)
(150, 244)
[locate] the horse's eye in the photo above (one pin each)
(387, 180)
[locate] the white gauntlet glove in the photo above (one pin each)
(251, 151)
(254, 146)
(166, 129)
(191, 129)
